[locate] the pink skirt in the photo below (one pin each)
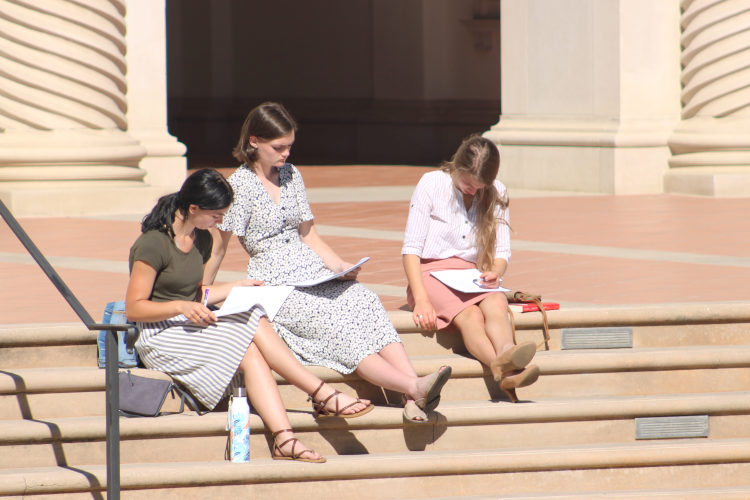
(446, 301)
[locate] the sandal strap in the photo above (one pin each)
(293, 455)
(312, 396)
(282, 430)
(338, 412)
(323, 403)
(318, 407)
(278, 447)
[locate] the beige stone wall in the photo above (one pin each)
(590, 92)
(606, 95)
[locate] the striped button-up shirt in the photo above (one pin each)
(439, 226)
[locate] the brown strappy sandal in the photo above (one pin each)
(293, 456)
(321, 411)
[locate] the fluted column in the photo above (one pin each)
(66, 145)
(714, 135)
(62, 92)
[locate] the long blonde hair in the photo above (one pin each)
(479, 159)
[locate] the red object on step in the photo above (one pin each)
(531, 307)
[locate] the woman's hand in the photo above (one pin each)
(424, 315)
(248, 283)
(490, 279)
(352, 275)
(196, 312)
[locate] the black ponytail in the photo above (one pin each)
(206, 188)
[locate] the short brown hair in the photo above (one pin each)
(268, 121)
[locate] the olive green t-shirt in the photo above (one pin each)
(177, 273)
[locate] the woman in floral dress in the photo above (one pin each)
(339, 324)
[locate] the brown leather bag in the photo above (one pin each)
(525, 298)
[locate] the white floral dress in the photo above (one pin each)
(336, 324)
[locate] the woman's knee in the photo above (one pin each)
(253, 357)
(264, 327)
(497, 300)
(264, 333)
(471, 316)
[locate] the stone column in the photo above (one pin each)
(64, 142)
(590, 94)
(147, 94)
(711, 145)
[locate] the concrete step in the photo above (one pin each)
(727, 493)
(41, 393)
(718, 181)
(616, 467)
(606, 372)
(457, 425)
(47, 345)
(448, 341)
(71, 344)
(660, 325)
(66, 392)
(41, 351)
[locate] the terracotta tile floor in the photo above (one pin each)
(692, 225)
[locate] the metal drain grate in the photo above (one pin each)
(671, 427)
(597, 338)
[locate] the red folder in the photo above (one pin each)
(530, 307)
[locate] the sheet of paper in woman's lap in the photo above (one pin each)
(465, 280)
(244, 298)
(323, 279)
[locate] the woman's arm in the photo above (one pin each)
(139, 307)
(219, 249)
(424, 314)
(310, 237)
(219, 292)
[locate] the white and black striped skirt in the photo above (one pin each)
(204, 359)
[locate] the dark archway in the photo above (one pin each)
(370, 82)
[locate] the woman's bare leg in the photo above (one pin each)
(396, 355)
(282, 361)
(471, 323)
(265, 398)
(496, 322)
(377, 370)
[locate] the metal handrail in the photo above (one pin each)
(111, 352)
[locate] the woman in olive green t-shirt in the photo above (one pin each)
(183, 338)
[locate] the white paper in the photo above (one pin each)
(323, 279)
(244, 298)
(465, 280)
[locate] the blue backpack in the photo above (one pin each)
(114, 314)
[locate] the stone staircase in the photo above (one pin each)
(571, 436)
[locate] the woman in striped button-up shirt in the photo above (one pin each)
(458, 219)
